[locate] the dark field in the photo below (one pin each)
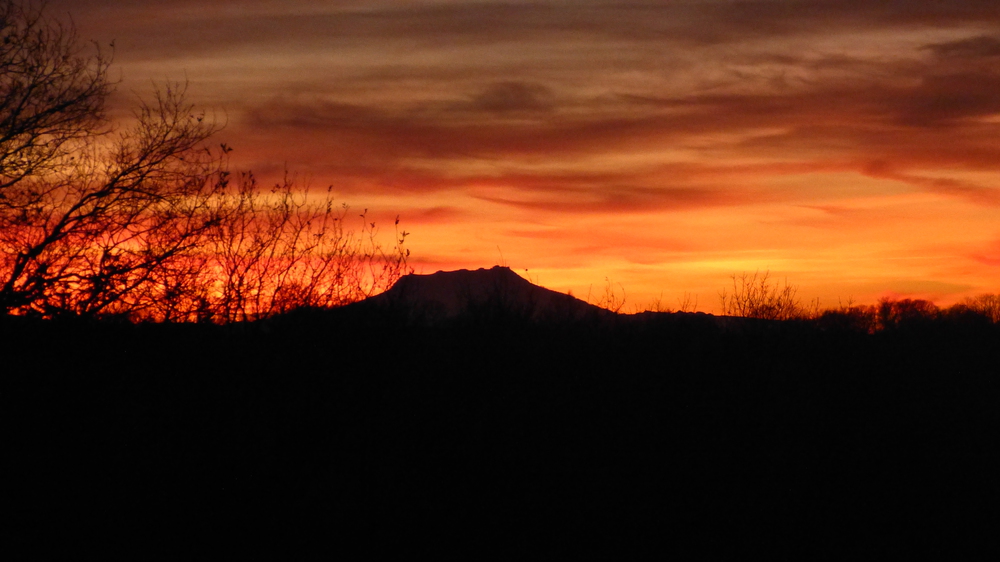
(503, 437)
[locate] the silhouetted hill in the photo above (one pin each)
(486, 294)
(489, 296)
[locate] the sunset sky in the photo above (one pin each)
(851, 147)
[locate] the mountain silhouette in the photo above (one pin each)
(483, 293)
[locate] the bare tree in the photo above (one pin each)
(52, 94)
(272, 251)
(755, 296)
(611, 300)
(91, 237)
(144, 222)
(892, 314)
(986, 304)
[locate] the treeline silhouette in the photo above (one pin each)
(509, 430)
(757, 296)
(892, 314)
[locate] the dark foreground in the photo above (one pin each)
(501, 437)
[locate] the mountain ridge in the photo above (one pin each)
(494, 292)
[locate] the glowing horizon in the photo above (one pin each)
(852, 148)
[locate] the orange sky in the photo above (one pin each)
(851, 147)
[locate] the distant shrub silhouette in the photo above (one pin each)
(755, 296)
(687, 303)
(894, 314)
(611, 299)
(850, 317)
(986, 304)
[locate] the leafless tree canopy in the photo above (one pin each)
(52, 94)
(269, 252)
(985, 304)
(756, 296)
(146, 221)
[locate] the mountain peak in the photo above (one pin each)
(493, 292)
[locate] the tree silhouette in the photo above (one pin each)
(893, 314)
(986, 304)
(755, 296)
(144, 222)
(269, 253)
(51, 94)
